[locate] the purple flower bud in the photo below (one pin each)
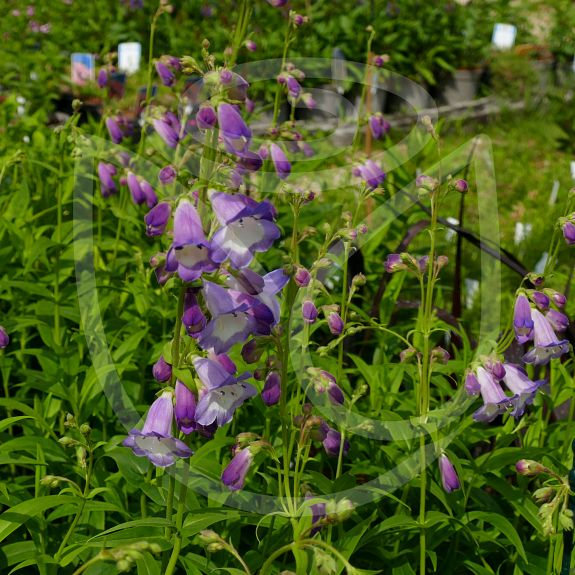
(293, 86)
(206, 118)
(449, 478)
(558, 320)
(234, 475)
(440, 355)
(540, 300)
(106, 173)
(174, 63)
(167, 175)
(149, 194)
(522, 321)
(235, 132)
(272, 388)
(529, 467)
(102, 78)
(166, 76)
(114, 130)
(379, 61)
(472, 386)
(378, 126)
(558, 298)
(157, 219)
(136, 191)
(309, 311)
(193, 318)
(335, 393)
(298, 19)
(185, 408)
(280, 161)
(226, 77)
(4, 338)
(569, 233)
(335, 323)
(332, 443)
(302, 277)
(162, 370)
(251, 45)
(168, 129)
(393, 263)
(461, 186)
(251, 352)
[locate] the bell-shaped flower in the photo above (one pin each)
(234, 475)
(523, 388)
(156, 441)
(222, 393)
(332, 442)
(235, 132)
(280, 161)
(162, 370)
(272, 388)
(247, 228)
(495, 401)
(185, 409)
(4, 338)
(157, 219)
(309, 311)
(166, 75)
(569, 232)
(449, 478)
(189, 253)
(168, 128)
(106, 173)
(522, 321)
(547, 345)
(114, 130)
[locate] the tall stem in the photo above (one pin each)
(179, 521)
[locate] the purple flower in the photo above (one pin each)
(521, 386)
(235, 133)
(156, 441)
(272, 388)
(136, 191)
(277, 3)
(280, 161)
(522, 321)
(189, 253)
(332, 442)
(461, 186)
(449, 478)
(250, 106)
(309, 311)
(251, 45)
(4, 338)
(114, 130)
(167, 175)
(234, 475)
(249, 161)
(569, 232)
(230, 321)
(335, 323)
(149, 194)
(157, 219)
(302, 277)
(168, 128)
(379, 61)
(222, 394)
(372, 174)
(318, 513)
(558, 320)
(226, 77)
(102, 78)
(185, 409)
(393, 263)
(106, 173)
(495, 401)
(378, 126)
(166, 76)
(247, 227)
(324, 381)
(547, 345)
(293, 86)
(540, 300)
(162, 370)
(193, 318)
(558, 298)
(206, 118)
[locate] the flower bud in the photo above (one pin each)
(302, 277)
(461, 186)
(85, 429)
(251, 353)
(68, 441)
(544, 494)
(529, 467)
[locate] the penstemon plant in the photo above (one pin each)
(261, 406)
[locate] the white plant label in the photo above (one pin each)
(129, 56)
(573, 170)
(504, 36)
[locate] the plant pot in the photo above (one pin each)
(462, 86)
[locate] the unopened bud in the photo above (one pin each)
(529, 467)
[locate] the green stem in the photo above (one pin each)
(277, 100)
(179, 521)
(143, 497)
(170, 505)
(360, 110)
(83, 568)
